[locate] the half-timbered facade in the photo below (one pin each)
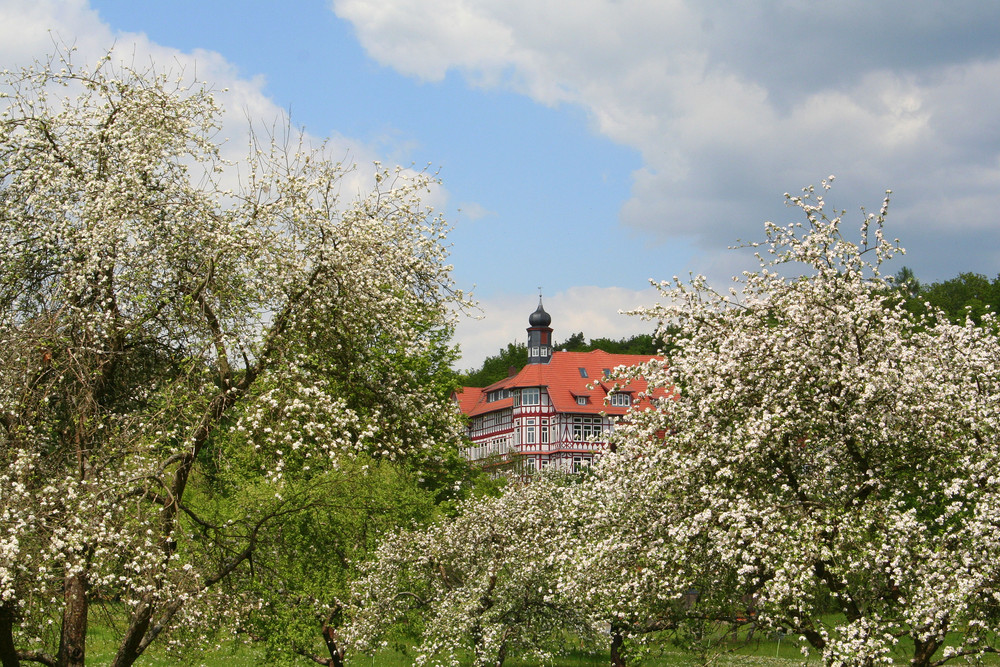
(556, 411)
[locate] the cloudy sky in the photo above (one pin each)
(587, 146)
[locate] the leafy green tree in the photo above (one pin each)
(498, 366)
(968, 294)
(294, 597)
(152, 319)
(575, 343)
(637, 344)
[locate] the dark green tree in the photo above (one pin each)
(497, 367)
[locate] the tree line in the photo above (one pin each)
(967, 294)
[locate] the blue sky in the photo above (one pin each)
(587, 146)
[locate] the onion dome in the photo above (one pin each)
(539, 318)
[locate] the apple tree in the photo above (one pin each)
(162, 310)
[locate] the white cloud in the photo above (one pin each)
(474, 211)
(733, 103)
(33, 30)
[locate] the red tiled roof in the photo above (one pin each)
(467, 397)
(564, 381)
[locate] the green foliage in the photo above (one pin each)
(295, 592)
(497, 367)
(966, 295)
(637, 344)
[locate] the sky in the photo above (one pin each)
(587, 147)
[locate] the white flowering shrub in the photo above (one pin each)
(477, 588)
(825, 463)
(164, 341)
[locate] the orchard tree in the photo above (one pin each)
(482, 585)
(824, 463)
(153, 325)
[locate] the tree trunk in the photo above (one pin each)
(923, 652)
(8, 653)
(336, 652)
(128, 650)
(73, 641)
(617, 642)
(501, 655)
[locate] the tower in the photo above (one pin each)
(539, 336)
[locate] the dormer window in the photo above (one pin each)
(620, 400)
(581, 400)
(497, 395)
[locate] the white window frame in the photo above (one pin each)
(531, 396)
(620, 399)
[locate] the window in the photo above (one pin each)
(530, 396)
(587, 428)
(580, 462)
(581, 400)
(529, 432)
(497, 395)
(583, 372)
(534, 352)
(620, 400)
(543, 430)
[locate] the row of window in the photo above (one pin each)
(578, 463)
(617, 399)
(533, 396)
(497, 395)
(491, 420)
(528, 396)
(534, 430)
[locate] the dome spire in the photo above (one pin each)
(539, 318)
(539, 334)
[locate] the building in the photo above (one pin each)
(556, 412)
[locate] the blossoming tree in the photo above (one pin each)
(479, 587)
(153, 323)
(826, 463)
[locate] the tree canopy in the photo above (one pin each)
(966, 295)
(182, 364)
